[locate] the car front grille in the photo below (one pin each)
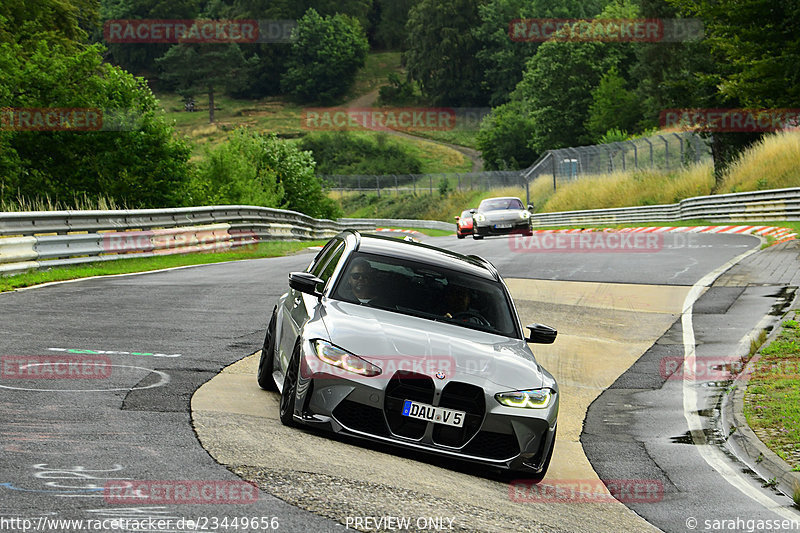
(461, 397)
(407, 386)
(360, 417)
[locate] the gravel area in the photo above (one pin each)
(338, 498)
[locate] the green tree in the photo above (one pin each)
(502, 59)
(140, 58)
(760, 41)
(325, 57)
(135, 161)
(203, 67)
(442, 52)
(613, 106)
(505, 135)
(673, 75)
(390, 23)
(558, 82)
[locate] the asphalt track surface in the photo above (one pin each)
(62, 441)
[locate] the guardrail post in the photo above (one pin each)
(645, 139)
(666, 151)
(680, 144)
(635, 155)
(378, 185)
(553, 159)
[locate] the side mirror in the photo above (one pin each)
(473, 211)
(530, 208)
(305, 282)
(457, 218)
(541, 334)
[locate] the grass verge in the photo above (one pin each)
(144, 264)
(772, 399)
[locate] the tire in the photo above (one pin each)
(477, 237)
(286, 408)
(265, 365)
(460, 236)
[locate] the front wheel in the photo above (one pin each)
(289, 391)
(265, 365)
(477, 237)
(459, 235)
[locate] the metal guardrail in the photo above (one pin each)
(776, 204)
(32, 240)
(404, 223)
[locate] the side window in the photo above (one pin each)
(332, 262)
(321, 259)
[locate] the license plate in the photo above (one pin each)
(502, 226)
(439, 415)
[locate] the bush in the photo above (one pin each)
(256, 169)
(237, 172)
(398, 92)
(350, 153)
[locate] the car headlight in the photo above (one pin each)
(524, 215)
(526, 399)
(479, 217)
(333, 355)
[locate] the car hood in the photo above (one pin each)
(386, 338)
(502, 215)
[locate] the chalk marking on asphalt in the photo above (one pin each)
(710, 454)
(163, 380)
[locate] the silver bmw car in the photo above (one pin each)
(500, 216)
(415, 346)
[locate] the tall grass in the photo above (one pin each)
(622, 189)
(46, 203)
(771, 163)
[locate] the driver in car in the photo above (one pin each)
(456, 301)
(362, 280)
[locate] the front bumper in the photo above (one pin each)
(493, 435)
(503, 228)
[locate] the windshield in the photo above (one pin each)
(426, 291)
(500, 203)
